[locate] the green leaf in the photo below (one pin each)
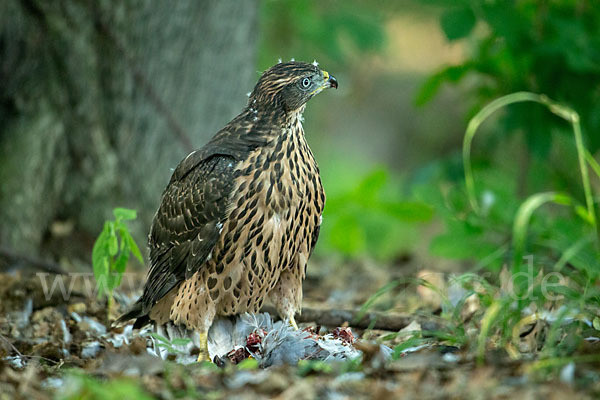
(133, 247)
(113, 243)
(582, 212)
(347, 236)
(472, 128)
(121, 262)
(431, 86)
(101, 269)
(401, 348)
(112, 282)
(521, 223)
(407, 211)
(159, 337)
(100, 254)
(371, 185)
(180, 341)
(124, 214)
(489, 318)
(457, 23)
(128, 240)
(248, 364)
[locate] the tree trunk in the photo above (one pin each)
(99, 100)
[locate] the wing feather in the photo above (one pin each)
(187, 224)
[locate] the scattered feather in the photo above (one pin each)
(90, 350)
(65, 332)
(257, 336)
(567, 373)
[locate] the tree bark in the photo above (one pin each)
(99, 100)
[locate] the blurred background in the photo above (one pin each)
(100, 100)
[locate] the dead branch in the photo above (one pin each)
(331, 318)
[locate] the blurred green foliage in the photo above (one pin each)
(497, 230)
(495, 227)
(328, 31)
(82, 386)
(486, 237)
(368, 212)
(550, 47)
(482, 237)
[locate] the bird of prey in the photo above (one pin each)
(241, 216)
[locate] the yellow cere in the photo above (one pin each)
(323, 86)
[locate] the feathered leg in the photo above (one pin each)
(194, 308)
(287, 296)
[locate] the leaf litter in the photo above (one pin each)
(51, 348)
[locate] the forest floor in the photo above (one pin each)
(56, 346)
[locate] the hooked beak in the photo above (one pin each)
(329, 81)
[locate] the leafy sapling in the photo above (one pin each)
(111, 253)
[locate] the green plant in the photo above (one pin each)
(554, 288)
(523, 215)
(111, 252)
(484, 223)
(572, 238)
(173, 346)
(549, 47)
(413, 341)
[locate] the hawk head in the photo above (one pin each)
(289, 86)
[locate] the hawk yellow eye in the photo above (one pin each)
(305, 83)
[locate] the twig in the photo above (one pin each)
(373, 319)
(19, 354)
(11, 345)
(43, 265)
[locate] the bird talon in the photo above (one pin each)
(293, 323)
(203, 356)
